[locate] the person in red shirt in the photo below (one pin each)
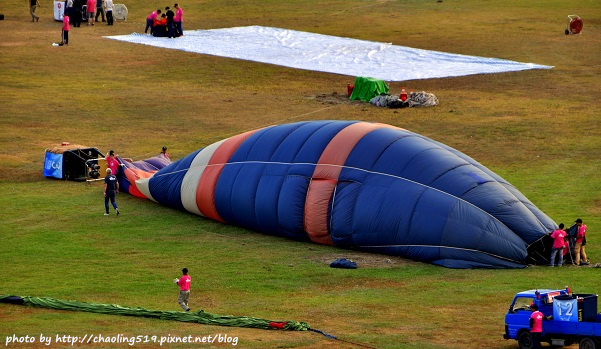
(160, 26)
(580, 242)
(91, 8)
(184, 289)
(558, 245)
(536, 325)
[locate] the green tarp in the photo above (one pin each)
(367, 88)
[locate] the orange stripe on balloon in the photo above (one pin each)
(325, 179)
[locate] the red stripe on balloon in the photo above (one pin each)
(205, 192)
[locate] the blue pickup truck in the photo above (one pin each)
(574, 318)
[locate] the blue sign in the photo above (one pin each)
(53, 165)
(565, 309)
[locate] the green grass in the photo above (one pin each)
(538, 129)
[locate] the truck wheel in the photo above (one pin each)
(525, 340)
(587, 343)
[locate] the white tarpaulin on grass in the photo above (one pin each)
(331, 54)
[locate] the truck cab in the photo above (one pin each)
(517, 320)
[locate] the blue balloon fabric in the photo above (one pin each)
(357, 185)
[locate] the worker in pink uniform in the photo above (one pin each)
(536, 325)
(580, 242)
(184, 289)
(178, 20)
(112, 162)
(150, 21)
(558, 237)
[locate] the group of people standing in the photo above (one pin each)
(563, 240)
(94, 9)
(74, 10)
(168, 24)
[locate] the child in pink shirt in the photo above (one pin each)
(66, 28)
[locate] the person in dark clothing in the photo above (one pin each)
(69, 10)
(170, 14)
(99, 10)
(76, 13)
(111, 188)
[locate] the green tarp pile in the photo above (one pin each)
(200, 317)
(367, 88)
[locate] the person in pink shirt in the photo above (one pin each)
(536, 325)
(178, 20)
(580, 242)
(91, 7)
(184, 289)
(112, 162)
(65, 34)
(150, 21)
(558, 245)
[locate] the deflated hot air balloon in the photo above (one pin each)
(357, 185)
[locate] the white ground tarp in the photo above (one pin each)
(331, 54)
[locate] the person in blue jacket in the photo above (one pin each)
(111, 188)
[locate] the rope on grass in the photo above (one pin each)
(342, 340)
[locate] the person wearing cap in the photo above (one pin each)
(558, 237)
(112, 162)
(184, 289)
(536, 325)
(580, 242)
(178, 20)
(111, 188)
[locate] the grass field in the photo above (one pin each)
(539, 129)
